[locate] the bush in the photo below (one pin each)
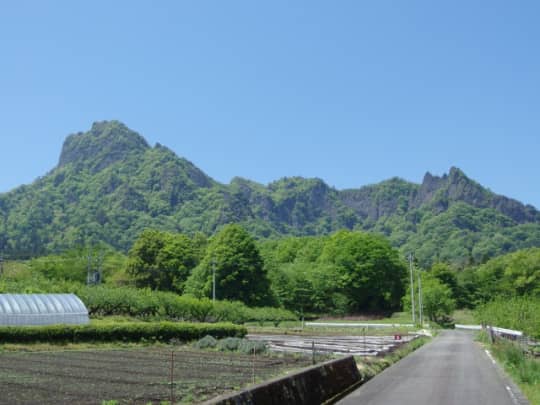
(527, 370)
(230, 344)
(268, 314)
(250, 347)
(207, 342)
(229, 311)
(233, 344)
(144, 303)
(126, 331)
(519, 313)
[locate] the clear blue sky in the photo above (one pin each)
(352, 92)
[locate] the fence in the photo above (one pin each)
(527, 344)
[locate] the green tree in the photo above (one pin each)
(369, 270)
(514, 274)
(161, 260)
(437, 302)
(238, 265)
(446, 275)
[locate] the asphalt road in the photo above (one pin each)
(450, 370)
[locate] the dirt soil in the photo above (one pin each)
(135, 376)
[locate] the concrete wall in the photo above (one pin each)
(314, 385)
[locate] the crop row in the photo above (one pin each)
(104, 301)
(124, 331)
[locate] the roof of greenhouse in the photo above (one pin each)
(42, 309)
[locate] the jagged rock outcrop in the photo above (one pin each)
(109, 185)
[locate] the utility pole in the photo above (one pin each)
(412, 288)
(420, 298)
(1, 263)
(96, 275)
(89, 269)
(213, 280)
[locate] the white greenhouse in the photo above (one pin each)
(41, 309)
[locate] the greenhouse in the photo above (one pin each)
(41, 309)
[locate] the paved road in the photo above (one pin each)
(450, 370)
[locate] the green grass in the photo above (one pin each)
(524, 369)
(295, 328)
(396, 317)
(371, 366)
(327, 330)
(464, 317)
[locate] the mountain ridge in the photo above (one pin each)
(110, 184)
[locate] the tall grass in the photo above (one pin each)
(519, 313)
(525, 370)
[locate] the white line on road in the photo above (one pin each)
(508, 389)
(512, 395)
(490, 357)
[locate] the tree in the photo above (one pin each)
(239, 269)
(369, 270)
(438, 304)
(161, 260)
(444, 273)
(514, 274)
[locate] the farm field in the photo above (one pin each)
(356, 345)
(135, 376)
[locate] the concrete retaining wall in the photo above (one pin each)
(314, 385)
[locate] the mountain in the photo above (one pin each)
(110, 184)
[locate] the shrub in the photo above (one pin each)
(249, 347)
(520, 313)
(268, 314)
(207, 342)
(230, 344)
(126, 331)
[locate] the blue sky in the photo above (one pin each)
(348, 91)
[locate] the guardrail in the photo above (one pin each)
(361, 324)
(526, 343)
(468, 327)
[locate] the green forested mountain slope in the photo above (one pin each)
(110, 184)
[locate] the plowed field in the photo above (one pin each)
(132, 376)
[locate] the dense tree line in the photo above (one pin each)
(345, 272)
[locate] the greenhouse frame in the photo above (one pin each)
(42, 309)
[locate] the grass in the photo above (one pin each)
(61, 346)
(295, 328)
(396, 317)
(327, 330)
(464, 317)
(369, 367)
(524, 369)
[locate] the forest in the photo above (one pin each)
(154, 231)
(347, 272)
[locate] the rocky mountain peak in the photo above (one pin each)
(105, 143)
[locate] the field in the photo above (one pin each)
(366, 345)
(135, 376)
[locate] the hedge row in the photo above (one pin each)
(104, 301)
(125, 332)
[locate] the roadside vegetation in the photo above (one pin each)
(523, 368)
(369, 367)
